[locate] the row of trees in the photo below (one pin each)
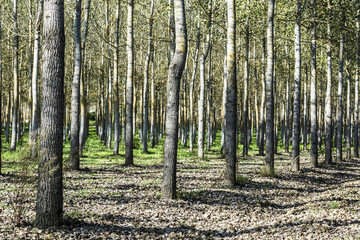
(225, 39)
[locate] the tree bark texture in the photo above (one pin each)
(49, 203)
(75, 95)
(295, 158)
(231, 98)
(269, 97)
(172, 107)
(129, 86)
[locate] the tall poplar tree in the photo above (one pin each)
(49, 203)
(176, 68)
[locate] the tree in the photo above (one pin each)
(356, 104)
(116, 83)
(328, 108)
(129, 86)
(295, 158)
(231, 96)
(269, 160)
(34, 83)
(339, 125)
(75, 96)
(176, 68)
(191, 94)
(313, 97)
(15, 117)
(146, 80)
(49, 203)
(201, 102)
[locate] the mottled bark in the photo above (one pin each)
(339, 125)
(34, 83)
(191, 93)
(75, 96)
(328, 105)
(146, 81)
(201, 102)
(231, 96)
(15, 119)
(295, 157)
(83, 128)
(356, 103)
(49, 203)
(129, 86)
(262, 104)
(269, 160)
(313, 97)
(172, 108)
(246, 100)
(116, 83)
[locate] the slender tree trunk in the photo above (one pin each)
(152, 127)
(295, 161)
(15, 119)
(313, 97)
(191, 94)
(146, 80)
(75, 96)
(246, 100)
(208, 105)
(328, 107)
(8, 114)
(348, 114)
(262, 105)
(49, 203)
(201, 102)
(305, 123)
(287, 125)
(356, 104)
(231, 98)
(172, 109)
(269, 160)
(339, 127)
(116, 84)
(34, 83)
(83, 78)
(129, 86)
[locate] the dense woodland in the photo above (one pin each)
(165, 86)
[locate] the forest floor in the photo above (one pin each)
(106, 200)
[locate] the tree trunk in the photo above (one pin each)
(116, 84)
(295, 161)
(356, 104)
(49, 203)
(262, 105)
(231, 98)
(246, 100)
(269, 160)
(34, 84)
(313, 97)
(339, 126)
(84, 77)
(146, 80)
(191, 94)
(129, 87)
(328, 107)
(15, 119)
(75, 96)
(305, 123)
(172, 109)
(201, 103)
(348, 114)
